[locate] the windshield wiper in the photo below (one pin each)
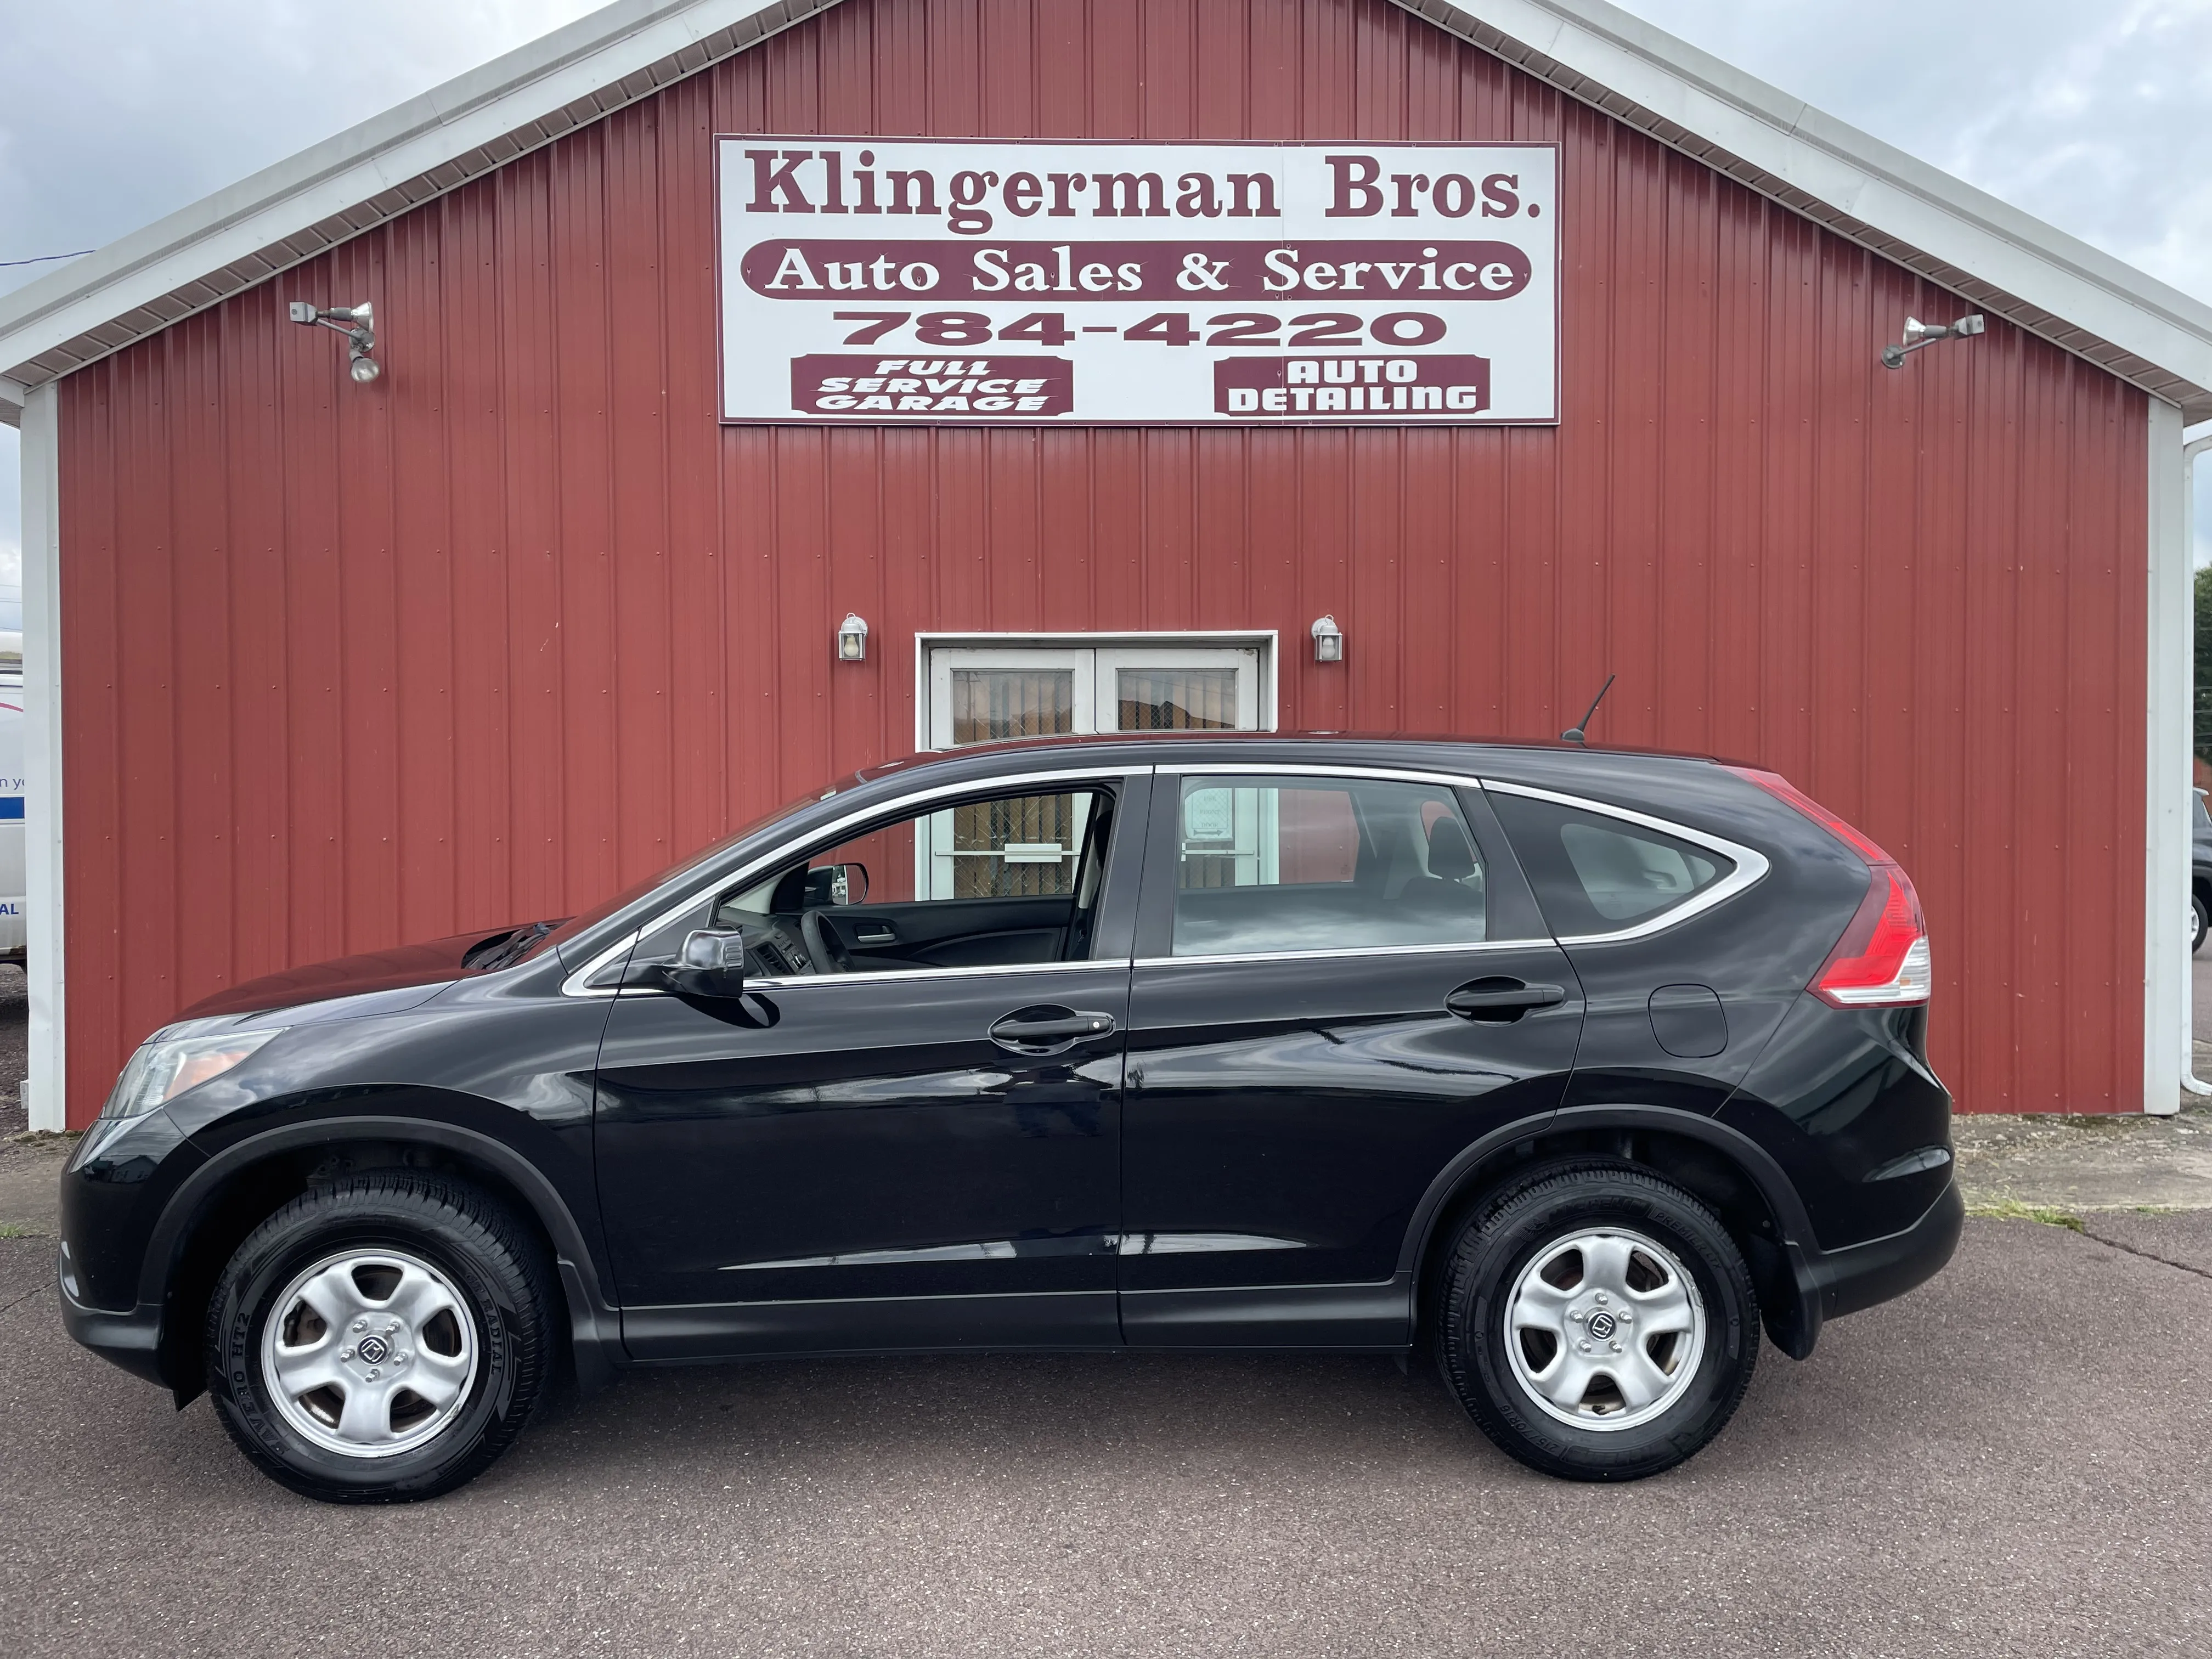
(504, 949)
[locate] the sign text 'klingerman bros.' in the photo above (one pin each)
(874, 280)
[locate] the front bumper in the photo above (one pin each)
(129, 1338)
(1834, 1283)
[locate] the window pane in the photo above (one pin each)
(1628, 875)
(1018, 890)
(1177, 699)
(1026, 845)
(1301, 864)
(1595, 874)
(989, 703)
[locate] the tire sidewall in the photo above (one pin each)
(288, 1245)
(1520, 1231)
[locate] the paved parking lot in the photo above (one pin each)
(2016, 1459)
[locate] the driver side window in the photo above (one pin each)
(1002, 880)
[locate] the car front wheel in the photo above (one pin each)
(2196, 924)
(380, 1340)
(1598, 1323)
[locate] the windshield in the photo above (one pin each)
(585, 920)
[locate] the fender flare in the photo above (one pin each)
(1794, 1334)
(594, 1325)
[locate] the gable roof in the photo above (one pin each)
(1994, 256)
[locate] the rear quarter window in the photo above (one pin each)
(1597, 874)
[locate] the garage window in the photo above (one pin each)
(978, 690)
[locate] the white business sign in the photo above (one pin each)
(874, 280)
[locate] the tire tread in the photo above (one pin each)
(1473, 1254)
(508, 1253)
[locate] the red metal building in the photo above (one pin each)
(327, 666)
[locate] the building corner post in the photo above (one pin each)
(46, 1092)
(2192, 449)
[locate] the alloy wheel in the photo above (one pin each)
(1604, 1329)
(369, 1353)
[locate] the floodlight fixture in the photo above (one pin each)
(357, 323)
(1918, 334)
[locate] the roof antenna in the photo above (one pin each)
(1574, 733)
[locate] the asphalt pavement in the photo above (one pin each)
(2013, 1460)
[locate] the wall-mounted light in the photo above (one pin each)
(357, 323)
(1328, 640)
(852, 639)
(1918, 334)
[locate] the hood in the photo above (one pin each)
(428, 967)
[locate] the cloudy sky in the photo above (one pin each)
(2096, 118)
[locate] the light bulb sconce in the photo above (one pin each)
(1328, 640)
(357, 323)
(1918, 334)
(852, 639)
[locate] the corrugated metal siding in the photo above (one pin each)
(346, 666)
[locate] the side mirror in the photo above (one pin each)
(710, 964)
(835, 884)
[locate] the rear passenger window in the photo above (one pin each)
(1278, 864)
(1595, 874)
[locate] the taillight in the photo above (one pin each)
(1881, 961)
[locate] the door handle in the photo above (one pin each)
(1039, 1031)
(882, 935)
(1497, 1000)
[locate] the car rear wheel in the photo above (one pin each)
(2196, 924)
(380, 1340)
(1598, 1323)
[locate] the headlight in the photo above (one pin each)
(166, 1066)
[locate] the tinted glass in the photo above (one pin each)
(598, 912)
(1275, 864)
(975, 860)
(1595, 874)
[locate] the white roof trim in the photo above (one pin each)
(1991, 255)
(369, 174)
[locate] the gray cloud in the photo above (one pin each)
(121, 111)
(2093, 118)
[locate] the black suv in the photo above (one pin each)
(1573, 1067)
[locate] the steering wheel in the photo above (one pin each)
(824, 947)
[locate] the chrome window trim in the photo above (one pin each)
(894, 975)
(1336, 952)
(578, 983)
(1313, 769)
(1751, 864)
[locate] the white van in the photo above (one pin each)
(11, 797)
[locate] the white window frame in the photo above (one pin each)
(1107, 660)
(1191, 647)
(1093, 659)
